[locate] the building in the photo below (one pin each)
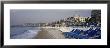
(81, 19)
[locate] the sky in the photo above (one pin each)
(21, 16)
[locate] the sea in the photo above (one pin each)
(23, 32)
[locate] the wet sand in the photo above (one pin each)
(50, 33)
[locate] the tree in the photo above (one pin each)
(87, 20)
(96, 15)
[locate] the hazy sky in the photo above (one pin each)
(20, 16)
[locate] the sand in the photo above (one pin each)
(50, 33)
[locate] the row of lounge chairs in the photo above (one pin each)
(83, 34)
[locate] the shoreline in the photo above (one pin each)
(49, 33)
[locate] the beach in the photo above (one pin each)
(50, 33)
